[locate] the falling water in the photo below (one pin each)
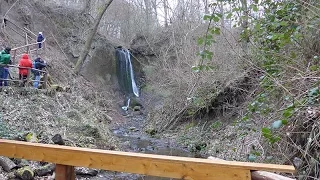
(126, 75)
(133, 82)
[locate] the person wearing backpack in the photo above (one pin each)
(24, 64)
(5, 59)
(37, 64)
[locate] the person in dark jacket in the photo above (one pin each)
(24, 64)
(5, 59)
(40, 39)
(37, 64)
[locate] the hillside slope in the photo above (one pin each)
(86, 105)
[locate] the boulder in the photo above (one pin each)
(7, 164)
(57, 139)
(45, 170)
(25, 173)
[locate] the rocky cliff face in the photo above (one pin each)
(71, 27)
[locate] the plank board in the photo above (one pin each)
(64, 172)
(148, 164)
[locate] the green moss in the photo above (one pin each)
(90, 131)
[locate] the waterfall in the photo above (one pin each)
(133, 82)
(125, 75)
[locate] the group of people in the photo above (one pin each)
(24, 65)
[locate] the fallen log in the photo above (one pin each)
(7, 164)
(260, 175)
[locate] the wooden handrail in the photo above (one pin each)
(259, 175)
(16, 66)
(18, 32)
(148, 164)
(44, 82)
(32, 44)
(25, 30)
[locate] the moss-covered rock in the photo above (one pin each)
(25, 173)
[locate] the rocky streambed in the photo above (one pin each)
(131, 138)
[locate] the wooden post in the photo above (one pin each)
(28, 48)
(14, 56)
(28, 76)
(64, 172)
(45, 79)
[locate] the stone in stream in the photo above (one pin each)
(81, 171)
(133, 129)
(137, 108)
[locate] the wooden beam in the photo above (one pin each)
(15, 66)
(148, 164)
(14, 56)
(260, 175)
(45, 79)
(32, 44)
(64, 172)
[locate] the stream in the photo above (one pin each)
(133, 139)
(130, 133)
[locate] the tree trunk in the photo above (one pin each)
(155, 8)
(148, 15)
(165, 8)
(244, 26)
(89, 40)
(206, 6)
(87, 7)
(222, 14)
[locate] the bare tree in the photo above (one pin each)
(165, 8)
(148, 14)
(91, 34)
(220, 4)
(206, 6)
(87, 7)
(244, 26)
(155, 8)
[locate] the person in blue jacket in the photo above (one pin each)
(37, 64)
(40, 39)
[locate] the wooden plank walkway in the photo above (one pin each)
(147, 164)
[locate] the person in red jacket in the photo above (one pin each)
(24, 64)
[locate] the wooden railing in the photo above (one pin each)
(25, 49)
(44, 82)
(22, 32)
(66, 158)
(28, 35)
